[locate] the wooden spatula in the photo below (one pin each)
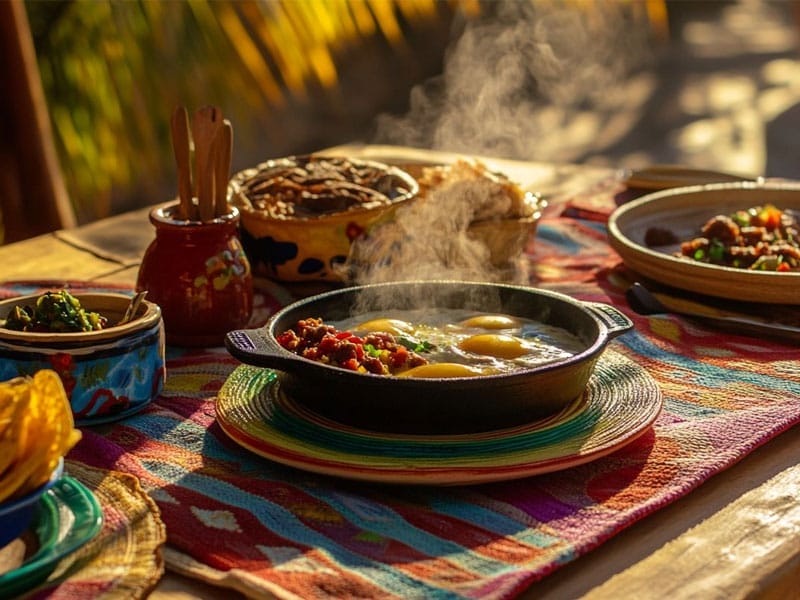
(222, 167)
(181, 144)
(205, 123)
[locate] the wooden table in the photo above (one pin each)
(736, 536)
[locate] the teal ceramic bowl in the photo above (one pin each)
(16, 514)
(107, 374)
(67, 517)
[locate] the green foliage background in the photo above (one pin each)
(114, 70)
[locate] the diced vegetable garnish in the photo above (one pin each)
(762, 238)
(56, 312)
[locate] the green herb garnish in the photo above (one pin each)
(716, 251)
(415, 345)
(372, 351)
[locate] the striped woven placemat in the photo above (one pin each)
(279, 531)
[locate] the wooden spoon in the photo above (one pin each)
(179, 125)
(133, 307)
(205, 123)
(222, 166)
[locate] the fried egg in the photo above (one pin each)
(461, 343)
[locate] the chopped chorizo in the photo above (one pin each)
(377, 352)
(722, 228)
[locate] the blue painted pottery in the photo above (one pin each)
(107, 374)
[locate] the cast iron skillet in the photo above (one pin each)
(431, 406)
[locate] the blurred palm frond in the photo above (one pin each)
(113, 71)
(291, 75)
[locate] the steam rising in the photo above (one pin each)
(469, 224)
(514, 83)
(517, 78)
(428, 240)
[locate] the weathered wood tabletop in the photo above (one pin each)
(736, 536)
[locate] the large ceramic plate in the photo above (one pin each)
(621, 401)
(68, 516)
(684, 211)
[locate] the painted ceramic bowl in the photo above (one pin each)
(301, 214)
(16, 514)
(109, 373)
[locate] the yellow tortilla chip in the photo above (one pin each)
(36, 429)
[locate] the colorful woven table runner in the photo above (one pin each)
(288, 533)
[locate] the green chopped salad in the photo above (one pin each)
(55, 312)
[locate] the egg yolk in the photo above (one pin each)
(439, 370)
(393, 326)
(491, 322)
(496, 345)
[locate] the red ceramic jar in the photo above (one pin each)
(199, 275)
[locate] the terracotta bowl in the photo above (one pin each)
(505, 237)
(490, 247)
(107, 374)
(309, 247)
(682, 212)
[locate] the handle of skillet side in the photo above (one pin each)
(256, 347)
(616, 323)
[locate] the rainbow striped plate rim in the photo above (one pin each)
(620, 403)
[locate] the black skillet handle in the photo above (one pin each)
(616, 322)
(256, 347)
